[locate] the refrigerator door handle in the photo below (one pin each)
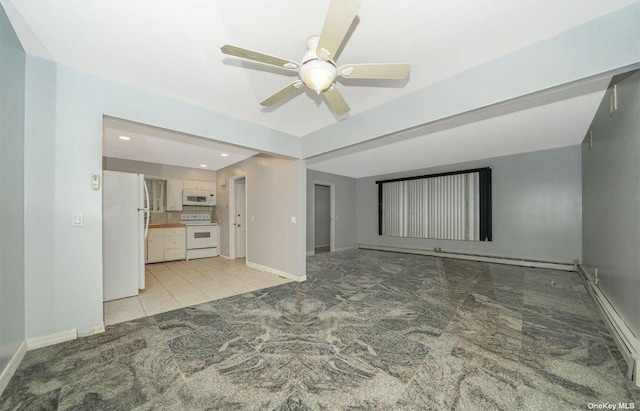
(146, 210)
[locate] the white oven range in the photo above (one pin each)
(202, 235)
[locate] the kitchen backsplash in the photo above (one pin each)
(157, 218)
(173, 217)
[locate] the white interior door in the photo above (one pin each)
(239, 223)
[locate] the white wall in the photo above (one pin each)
(275, 188)
(611, 200)
(65, 108)
(345, 208)
(157, 170)
(12, 102)
(536, 207)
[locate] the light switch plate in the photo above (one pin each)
(77, 220)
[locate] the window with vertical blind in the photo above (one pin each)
(156, 194)
(447, 206)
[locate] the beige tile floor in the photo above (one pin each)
(177, 284)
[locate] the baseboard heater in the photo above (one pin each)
(473, 257)
(627, 343)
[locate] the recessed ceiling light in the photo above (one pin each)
(203, 165)
(125, 138)
(224, 155)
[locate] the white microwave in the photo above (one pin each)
(198, 198)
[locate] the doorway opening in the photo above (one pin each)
(323, 217)
(238, 217)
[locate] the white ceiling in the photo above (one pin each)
(155, 145)
(546, 121)
(172, 47)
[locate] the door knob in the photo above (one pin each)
(238, 225)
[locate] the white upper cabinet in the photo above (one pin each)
(174, 194)
(200, 185)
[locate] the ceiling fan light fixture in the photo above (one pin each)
(317, 75)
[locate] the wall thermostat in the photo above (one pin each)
(95, 181)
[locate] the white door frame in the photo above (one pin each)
(232, 215)
(332, 213)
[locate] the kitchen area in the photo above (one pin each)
(183, 220)
(161, 232)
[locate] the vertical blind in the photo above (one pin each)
(156, 194)
(452, 206)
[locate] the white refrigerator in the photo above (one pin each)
(125, 222)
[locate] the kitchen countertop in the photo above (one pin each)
(172, 225)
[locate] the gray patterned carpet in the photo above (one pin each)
(367, 331)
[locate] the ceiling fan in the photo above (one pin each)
(318, 70)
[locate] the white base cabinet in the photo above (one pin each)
(166, 244)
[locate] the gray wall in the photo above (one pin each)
(611, 200)
(12, 106)
(157, 170)
(536, 207)
(322, 208)
(274, 189)
(345, 212)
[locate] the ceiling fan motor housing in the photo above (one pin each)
(316, 73)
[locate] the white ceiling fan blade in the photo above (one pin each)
(339, 18)
(259, 57)
(375, 71)
(336, 101)
(273, 99)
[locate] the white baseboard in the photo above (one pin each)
(276, 271)
(87, 331)
(226, 257)
(91, 331)
(627, 343)
(11, 368)
(311, 253)
(51, 339)
(344, 248)
(472, 257)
